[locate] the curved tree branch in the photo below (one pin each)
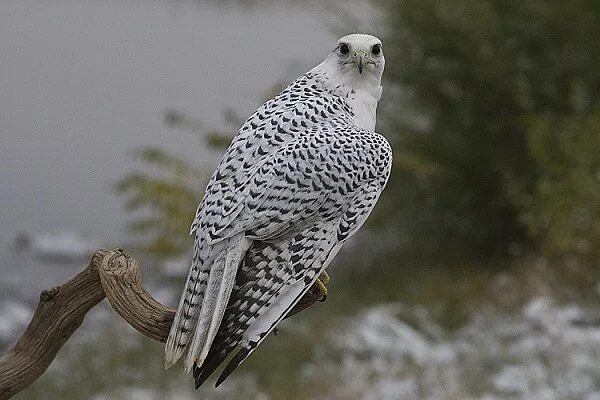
(122, 282)
(61, 311)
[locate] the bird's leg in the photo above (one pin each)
(321, 283)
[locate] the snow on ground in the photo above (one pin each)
(237, 388)
(546, 352)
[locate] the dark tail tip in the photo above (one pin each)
(239, 357)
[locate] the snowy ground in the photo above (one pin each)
(546, 351)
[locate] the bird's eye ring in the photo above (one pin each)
(376, 49)
(344, 49)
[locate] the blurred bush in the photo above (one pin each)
(163, 194)
(563, 210)
(492, 108)
(163, 197)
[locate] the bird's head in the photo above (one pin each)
(359, 56)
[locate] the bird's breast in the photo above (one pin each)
(364, 107)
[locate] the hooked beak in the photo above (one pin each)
(360, 59)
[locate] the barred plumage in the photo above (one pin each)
(300, 177)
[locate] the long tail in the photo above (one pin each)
(202, 305)
(188, 310)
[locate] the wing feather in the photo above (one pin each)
(296, 233)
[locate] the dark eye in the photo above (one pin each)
(344, 49)
(376, 49)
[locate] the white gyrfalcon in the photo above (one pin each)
(300, 177)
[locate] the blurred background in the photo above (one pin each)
(477, 276)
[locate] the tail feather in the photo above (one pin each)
(218, 291)
(187, 312)
(208, 305)
(203, 303)
(234, 257)
(264, 324)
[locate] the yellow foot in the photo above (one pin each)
(321, 283)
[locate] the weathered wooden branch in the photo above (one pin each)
(61, 311)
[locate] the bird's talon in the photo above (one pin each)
(324, 278)
(321, 286)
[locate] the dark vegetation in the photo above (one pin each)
(497, 127)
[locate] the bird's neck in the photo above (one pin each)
(360, 91)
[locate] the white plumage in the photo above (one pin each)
(300, 177)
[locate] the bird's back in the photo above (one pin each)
(299, 178)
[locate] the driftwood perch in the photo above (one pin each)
(61, 311)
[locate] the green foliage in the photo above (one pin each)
(464, 77)
(564, 210)
(163, 194)
(163, 201)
